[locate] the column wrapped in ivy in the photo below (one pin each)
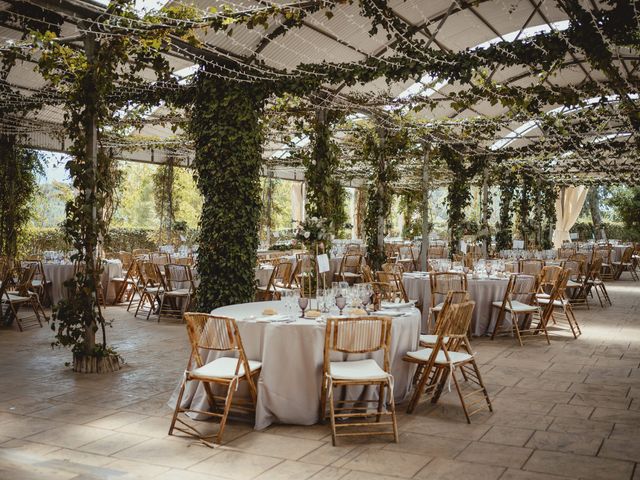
(504, 228)
(325, 195)
(225, 126)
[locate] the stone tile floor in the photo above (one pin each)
(569, 410)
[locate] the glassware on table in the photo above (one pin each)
(341, 302)
(303, 303)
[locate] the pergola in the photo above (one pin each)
(342, 38)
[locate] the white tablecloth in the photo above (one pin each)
(58, 273)
(292, 356)
(483, 291)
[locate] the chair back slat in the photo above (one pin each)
(359, 335)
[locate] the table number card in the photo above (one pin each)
(323, 263)
(518, 244)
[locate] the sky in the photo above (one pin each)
(54, 170)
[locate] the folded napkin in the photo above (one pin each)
(389, 313)
(272, 319)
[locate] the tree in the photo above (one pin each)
(626, 204)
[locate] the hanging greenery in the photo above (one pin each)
(19, 168)
(381, 149)
(166, 202)
(525, 204)
(504, 228)
(325, 194)
(458, 192)
(225, 126)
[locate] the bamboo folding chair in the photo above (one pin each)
(562, 310)
(160, 258)
(547, 279)
(575, 282)
(208, 333)
(367, 274)
(178, 290)
(128, 284)
(80, 267)
(453, 298)
(39, 283)
(304, 264)
(531, 266)
(450, 353)
(405, 258)
(151, 287)
(625, 265)
(358, 335)
(606, 269)
(351, 268)
(519, 299)
(20, 296)
(595, 282)
(140, 252)
(390, 253)
(441, 284)
(565, 253)
(279, 281)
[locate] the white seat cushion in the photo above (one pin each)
(431, 339)
(351, 274)
(572, 284)
(517, 307)
(358, 370)
(14, 298)
(424, 353)
(179, 292)
(438, 307)
(224, 367)
(556, 303)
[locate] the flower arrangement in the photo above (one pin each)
(313, 231)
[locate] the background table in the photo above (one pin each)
(484, 291)
(58, 273)
(292, 356)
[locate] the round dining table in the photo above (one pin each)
(484, 291)
(292, 353)
(58, 273)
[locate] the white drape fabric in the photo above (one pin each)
(568, 206)
(297, 201)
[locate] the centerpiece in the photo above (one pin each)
(314, 234)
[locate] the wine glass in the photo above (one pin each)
(341, 302)
(365, 295)
(303, 303)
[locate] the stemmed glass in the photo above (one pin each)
(341, 302)
(365, 295)
(303, 303)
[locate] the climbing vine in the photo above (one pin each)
(19, 168)
(225, 126)
(504, 228)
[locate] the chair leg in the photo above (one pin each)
(178, 408)
(460, 396)
(323, 400)
(392, 407)
(332, 414)
(499, 321)
(516, 328)
(227, 405)
(380, 400)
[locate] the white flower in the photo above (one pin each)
(276, 234)
(314, 219)
(307, 234)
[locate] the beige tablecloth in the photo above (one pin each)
(292, 355)
(483, 291)
(58, 273)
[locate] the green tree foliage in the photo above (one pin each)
(626, 204)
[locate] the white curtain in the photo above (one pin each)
(297, 201)
(568, 207)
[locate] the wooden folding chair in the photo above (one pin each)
(547, 279)
(562, 310)
(595, 283)
(351, 268)
(128, 284)
(453, 298)
(405, 258)
(279, 281)
(519, 299)
(140, 252)
(358, 335)
(20, 296)
(178, 290)
(625, 265)
(151, 287)
(450, 353)
(39, 283)
(209, 333)
(531, 266)
(441, 284)
(607, 272)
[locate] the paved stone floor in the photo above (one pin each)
(571, 409)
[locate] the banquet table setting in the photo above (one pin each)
(291, 351)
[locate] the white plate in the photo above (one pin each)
(410, 304)
(388, 313)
